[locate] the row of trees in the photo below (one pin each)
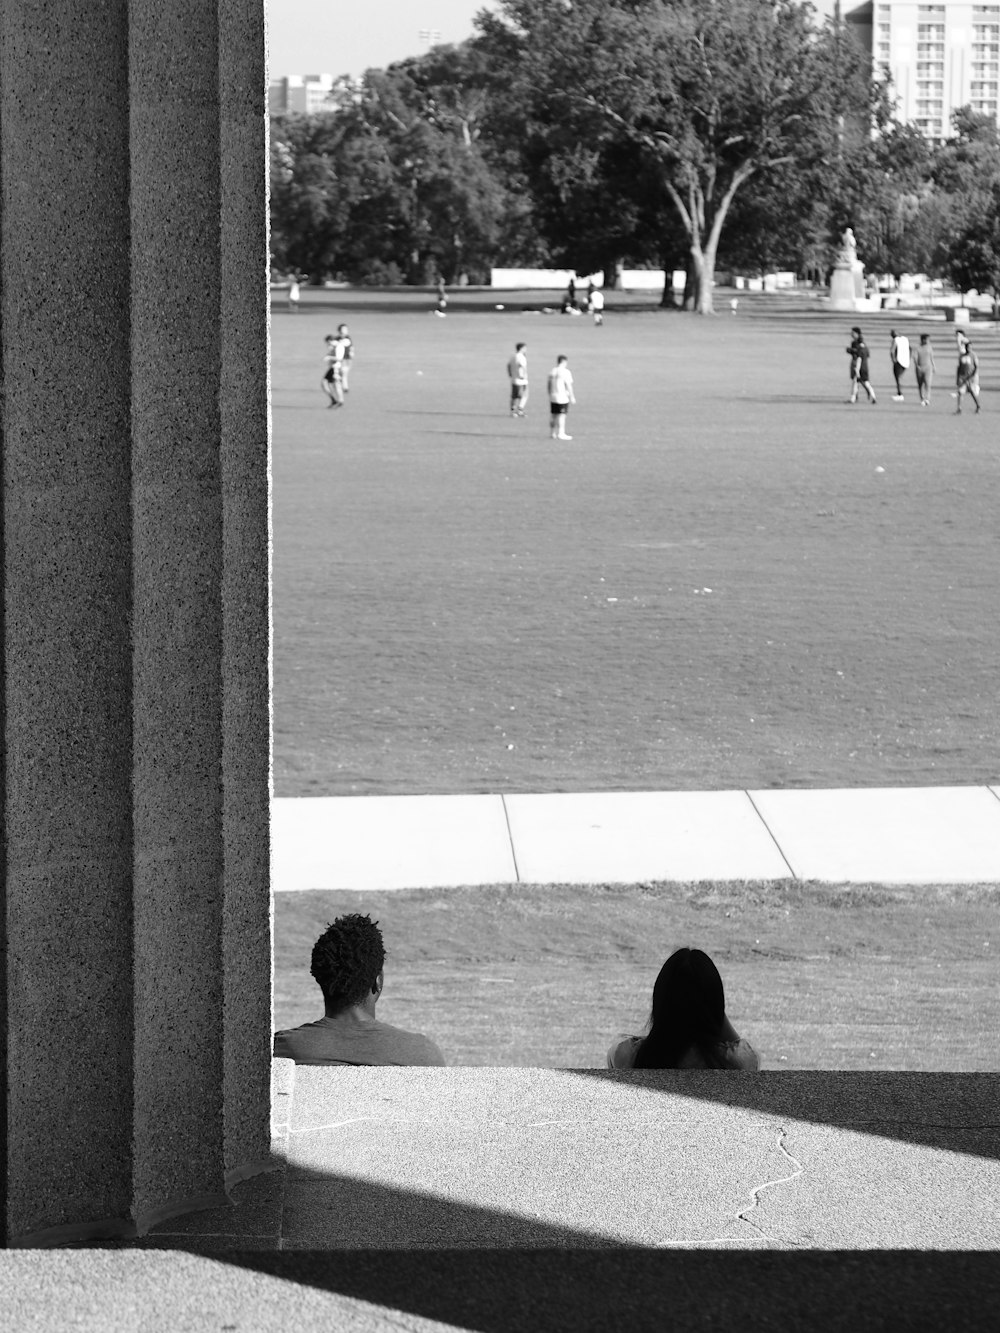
(675, 133)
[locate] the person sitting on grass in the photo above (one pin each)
(688, 1027)
(347, 962)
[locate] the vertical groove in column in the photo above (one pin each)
(246, 546)
(178, 563)
(66, 593)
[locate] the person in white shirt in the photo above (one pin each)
(333, 373)
(347, 342)
(597, 305)
(560, 396)
(517, 372)
(899, 352)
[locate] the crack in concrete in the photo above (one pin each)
(758, 1190)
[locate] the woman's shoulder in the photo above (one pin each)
(621, 1053)
(740, 1054)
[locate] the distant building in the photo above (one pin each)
(305, 93)
(938, 57)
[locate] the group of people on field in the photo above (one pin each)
(560, 389)
(337, 365)
(687, 1029)
(901, 355)
(593, 305)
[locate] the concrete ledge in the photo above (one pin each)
(460, 1158)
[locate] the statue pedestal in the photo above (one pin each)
(847, 285)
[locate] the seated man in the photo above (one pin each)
(347, 963)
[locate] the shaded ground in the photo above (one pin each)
(816, 976)
(462, 606)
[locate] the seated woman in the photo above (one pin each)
(688, 1028)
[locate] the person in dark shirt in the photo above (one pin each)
(858, 352)
(347, 963)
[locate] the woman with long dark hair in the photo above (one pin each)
(688, 1027)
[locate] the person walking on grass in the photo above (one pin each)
(860, 373)
(967, 375)
(347, 964)
(560, 396)
(688, 1027)
(899, 353)
(517, 372)
(333, 376)
(924, 365)
(294, 293)
(597, 306)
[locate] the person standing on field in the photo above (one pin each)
(967, 375)
(294, 293)
(597, 305)
(924, 365)
(860, 374)
(517, 372)
(899, 352)
(560, 396)
(333, 382)
(347, 344)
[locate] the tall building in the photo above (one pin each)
(938, 57)
(300, 92)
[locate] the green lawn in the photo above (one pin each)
(460, 605)
(730, 578)
(816, 976)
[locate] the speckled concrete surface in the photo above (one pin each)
(497, 1291)
(135, 770)
(489, 1199)
(450, 1158)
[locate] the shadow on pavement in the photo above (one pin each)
(954, 1112)
(518, 1291)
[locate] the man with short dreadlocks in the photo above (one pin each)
(347, 962)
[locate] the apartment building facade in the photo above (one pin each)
(938, 56)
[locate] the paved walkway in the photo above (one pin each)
(890, 835)
(571, 1201)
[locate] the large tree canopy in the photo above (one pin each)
(712, 93)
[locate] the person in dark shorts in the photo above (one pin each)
(899, 355)
(347, 964)
(967, 375)
(560, 396)
(860, 372)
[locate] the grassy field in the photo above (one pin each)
(816, 977)
(713, 586)
(730, 578)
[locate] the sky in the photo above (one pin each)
(350, 36)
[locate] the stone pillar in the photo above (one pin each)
(135, 768)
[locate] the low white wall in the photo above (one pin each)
(541, 279)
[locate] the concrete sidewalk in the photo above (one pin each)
(890, 835)
(507, 1200)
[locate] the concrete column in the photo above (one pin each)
(133, 331)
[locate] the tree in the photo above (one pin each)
(307, 205)
(396, 184)
(712, 93)
(973, 259)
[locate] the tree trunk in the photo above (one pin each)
(703, 275)
(613, 275)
